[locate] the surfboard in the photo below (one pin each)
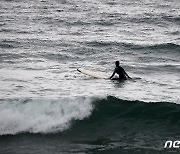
(92, 74)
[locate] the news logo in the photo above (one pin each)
(172, 144)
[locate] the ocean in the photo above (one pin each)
(47, 106)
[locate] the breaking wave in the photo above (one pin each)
(53, 116)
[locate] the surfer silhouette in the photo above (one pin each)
(120, 71)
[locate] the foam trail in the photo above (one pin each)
(42, 116)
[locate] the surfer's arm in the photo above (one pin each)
(113, 74)
(126, 74)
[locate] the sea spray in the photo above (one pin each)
(42, 116)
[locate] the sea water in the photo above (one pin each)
(47, 106)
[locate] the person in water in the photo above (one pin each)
(120, 71)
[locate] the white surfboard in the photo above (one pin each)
(92, 74)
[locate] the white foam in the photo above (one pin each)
(42, 116)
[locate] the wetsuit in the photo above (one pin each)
(121, 72)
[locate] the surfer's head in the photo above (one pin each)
(117, 63)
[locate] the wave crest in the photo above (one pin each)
(84, 114)
(112, 106)
(41, 116)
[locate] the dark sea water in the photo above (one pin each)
(47, 106)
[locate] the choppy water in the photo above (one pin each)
(46, 105)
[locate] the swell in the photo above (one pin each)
(123, 119)
(137, 110)
(154, 19)
(166, 46)
(114, 125)
(8, 44)
(82, 117)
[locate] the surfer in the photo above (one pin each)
(120, 71)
